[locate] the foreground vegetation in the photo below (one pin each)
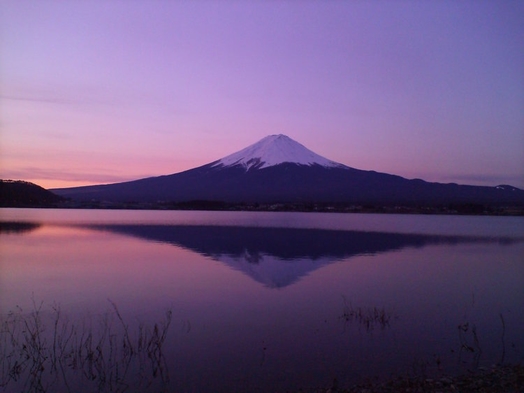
(45, 352)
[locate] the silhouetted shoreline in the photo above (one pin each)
(462, 209)
(22, 194)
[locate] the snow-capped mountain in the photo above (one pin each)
(274, 150)
(279, 170)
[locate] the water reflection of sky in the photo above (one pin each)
(231, 324)
(392, 223)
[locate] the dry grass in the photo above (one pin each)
(45, 352)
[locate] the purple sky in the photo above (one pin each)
(106, 91)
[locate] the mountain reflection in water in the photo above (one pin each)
(278, 257)
(17, 227)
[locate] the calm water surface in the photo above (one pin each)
(256, 301)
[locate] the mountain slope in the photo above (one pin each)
(280, 170)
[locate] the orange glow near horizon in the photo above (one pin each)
(431, 91)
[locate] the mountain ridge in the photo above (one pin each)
(277, 169)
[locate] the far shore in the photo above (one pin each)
(451, 209)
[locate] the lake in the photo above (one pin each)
(114, 300)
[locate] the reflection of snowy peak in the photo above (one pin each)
(272, 271)
(273, 150)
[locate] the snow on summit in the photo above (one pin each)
(273, 150)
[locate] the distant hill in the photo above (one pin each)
(18, 193)
(278, 169)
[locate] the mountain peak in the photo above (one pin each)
(274, 150)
